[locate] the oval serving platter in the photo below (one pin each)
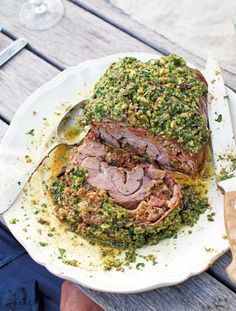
(62, 252)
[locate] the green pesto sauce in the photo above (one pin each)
(161, 96)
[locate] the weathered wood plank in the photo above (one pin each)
(200, 293)
(218, 270)
(3, 129)
(4, 42)
(20, 77)
(120, 19)
(79, 36)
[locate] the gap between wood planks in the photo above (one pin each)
(113, 23)
(219, 276)
(222, 279)
(35, 51)
(140, 37)
(5, 120)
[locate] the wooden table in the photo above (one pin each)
(91, 29)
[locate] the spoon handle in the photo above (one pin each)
(9, 195)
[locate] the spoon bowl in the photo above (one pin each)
(69, 121)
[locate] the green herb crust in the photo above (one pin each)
(162, 96)
(115, 226)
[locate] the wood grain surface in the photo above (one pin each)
(20, 77)
(218, 271)
(200, 293)
(80, 36)
(3, 129)
(121, 20)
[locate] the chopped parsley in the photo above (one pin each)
(219, 118)
(31, 132)
(62, 252)
(13, 221)
(43, 244)
(28, 159)
(223, 175)
(73, 263)
(44, 222)
(233, 161)
(140, 266)
(44, 207)
(210, 217)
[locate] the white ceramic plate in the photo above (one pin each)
(178, 259)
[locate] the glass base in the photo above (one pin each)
(41, 15)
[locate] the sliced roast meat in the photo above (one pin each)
(167, 154)
(149, 193)
(127, 187)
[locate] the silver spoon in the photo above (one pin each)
(9, 195)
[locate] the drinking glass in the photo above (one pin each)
(41, 14)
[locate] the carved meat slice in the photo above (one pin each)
(150, 194)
